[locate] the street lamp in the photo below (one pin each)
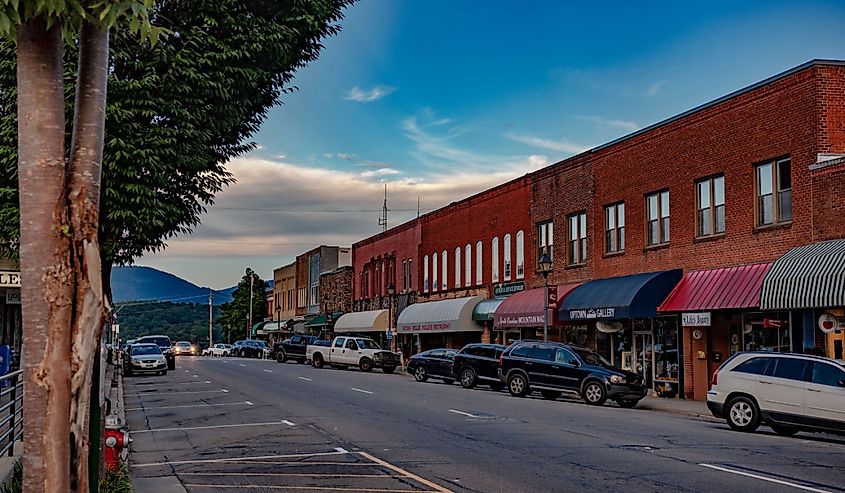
(391, 290)
(328, 313)
(545, 269)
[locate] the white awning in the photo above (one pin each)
(369, 321)
(440, 316)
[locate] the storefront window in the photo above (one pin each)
(765, 332)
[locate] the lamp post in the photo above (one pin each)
(391, 290)
(328, 314)
(545, 269)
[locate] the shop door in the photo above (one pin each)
(643, 349)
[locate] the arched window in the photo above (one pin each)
(468, 266)
(445, 260)
(479, 263)
(458, 267)
(494, 260)
(507, 257)
(434, 271)
(520, 255)
(425, 274)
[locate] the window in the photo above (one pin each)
(410, 273)
(545, 240)
(710, 219)
(404, 274)
(434, 284)
(824, 374)
(507, 256)
(494, 259)
(479, 263)
(458, 267)
(351, 344)
(790, 368)
(774, 192)
(523, 351)
(544, 353)
(566, 357)
(520, 255)
(657, 226)
(339, 342)
(754, 366)
(614, 228)
(425, 274)
(578, 239)
(468, 266)
(444, 258)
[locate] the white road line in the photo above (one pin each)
(463, 413)
(181, 392)
(243, 365)
(235, 459)
(341, 450)
(247, 403)
(195, 376)
(361, 390)
(295, 475)
(269, 371)
(182, 428)
(436, 487)
(763, 478)
(298, 488)
(306, 379)
(289, 423)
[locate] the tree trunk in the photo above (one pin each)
(46, 272)
(86, 156)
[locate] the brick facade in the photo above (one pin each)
(829, 200)
(336, 289)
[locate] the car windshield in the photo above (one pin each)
(145, 349)
(159, 341)
(592, 358)
(183, 344)
(367, 344)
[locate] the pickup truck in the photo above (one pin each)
(293, 348)
(347, 351)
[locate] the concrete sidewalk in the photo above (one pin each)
(687, 407)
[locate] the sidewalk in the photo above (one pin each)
(686, 407)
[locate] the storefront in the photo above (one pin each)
(372, 323)
(622, 324)
(323, 324)
(483, 314)
(521, 316)
(441, 324)
(10, 309)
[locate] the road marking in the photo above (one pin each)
(436, 487)
(292, 474)
(195, 376)
(306, 379)
(462, 413)
(763, 478)
(243, 365)
(361, 390)
(247, 403)
(341, 450)
(269, 371)
(182, 428)
(181, 392)
(289, 423)
(299, 488)
(187, 371)
(235, 459)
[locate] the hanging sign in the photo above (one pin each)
(507, 289)
(830, 323)
(552, 299)
(700, 319)
(773, 323)
(10, 279)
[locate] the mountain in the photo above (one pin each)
(146, 283)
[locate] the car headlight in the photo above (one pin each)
(616, 379)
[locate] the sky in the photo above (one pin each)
(440, 99)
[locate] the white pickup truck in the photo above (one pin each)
(346, 351)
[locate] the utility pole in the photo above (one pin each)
(210, 341)
(249, 322)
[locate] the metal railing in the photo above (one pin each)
(11, 411)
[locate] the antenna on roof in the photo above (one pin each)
(382, 221)
(418, 206)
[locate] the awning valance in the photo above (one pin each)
(484, 311)
(717, 289)
(525, 309)
(369, 321)
(320, 320)
(634, 296)
(439, 316)
(810, 276)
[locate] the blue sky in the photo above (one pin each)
(441, 99)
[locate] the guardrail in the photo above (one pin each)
(11, 411)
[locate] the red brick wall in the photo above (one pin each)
(829, 202)
(830, 104)
(396, 244)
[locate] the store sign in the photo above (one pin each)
(700, 319)
(433, 327)
(508, 288)
(9, 279)
(773, 323)
(830, 323)
(521, 321)
(13, 296)
(592, 313)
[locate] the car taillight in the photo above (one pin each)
(715, 380)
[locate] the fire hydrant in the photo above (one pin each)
(117, 443)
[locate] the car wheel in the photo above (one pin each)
(318, 361)
(594, 393)
(627, 403)
(743, 414)
(420, 375)
(498, 387)
(786, 431)
(551, 394)
(281, 357)
(388, 369)
(468, 378)
(164, 372)
(518, 385)
(365, 364)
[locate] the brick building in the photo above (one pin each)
(336, 289)
(284, 292)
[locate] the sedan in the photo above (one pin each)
(184, 347)
(434, 363)
(144, 358)
(251, 349)
(218, 350)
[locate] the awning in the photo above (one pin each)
(525, 309)
(320, 320)
(484, 311)
(810, 276)
(269, 326)
(369, 321)
(634, 296)
(717, 289)
(439, 316)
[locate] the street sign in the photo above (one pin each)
(389, 334)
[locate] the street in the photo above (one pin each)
(228, 424)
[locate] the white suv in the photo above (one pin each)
(788, 392)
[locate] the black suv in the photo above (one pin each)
(479, 363)
(552, 367)
(164, 343)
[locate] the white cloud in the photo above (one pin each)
(380, 172)
(655, 89)
(604, 123)
(561, 145)
(346, 155)
(368, 96)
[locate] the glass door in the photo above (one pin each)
(643, 349)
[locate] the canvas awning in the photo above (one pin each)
(525, 309)
(717, 289)
(439, 316)
(810, 276)
(369, 321)
(633, 296)
(485, 310)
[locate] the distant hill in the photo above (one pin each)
(146, 283)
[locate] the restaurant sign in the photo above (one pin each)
(700, 319)
(592, 313)
(10, 279)
(829, 323)
(508, 288)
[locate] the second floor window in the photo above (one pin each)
(458, 267)
(710, 219)
(468, 265)
(425, 274)
(657, 219)
(774, 192)
(520, 254)
(444, 257)
(479, 263)
(545, 240)
(614, 228)
(494, 260)
(578, 239)
(506, 254)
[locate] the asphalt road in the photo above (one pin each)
(227, 424)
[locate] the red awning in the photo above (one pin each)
(525, 309)
(717, 289)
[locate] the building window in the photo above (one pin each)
(410, 274)
(404, 274)
(577, 239)
(445, 260)
(614, 228)
(774, 192)
(657, 221)
(710, 218)
(545, 240)
(520, 254)
(425, 274)
(434, 284)
(507, 256)
(494, 260)
(458, 267)
(468, 266)
(479, 263)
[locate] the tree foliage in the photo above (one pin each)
(179, 321)
(234, 314)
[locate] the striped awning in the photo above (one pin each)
(810, 276)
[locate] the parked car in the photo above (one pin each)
(347, 351)
(144, 358)
(787, 392)
(164, 344)
(217, 350)
(293, 348)
(434, 363)
(184, 347)
(251, 348)
(479, 363)
(553, 367)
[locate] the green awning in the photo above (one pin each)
(484, 310)
(320, 320)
